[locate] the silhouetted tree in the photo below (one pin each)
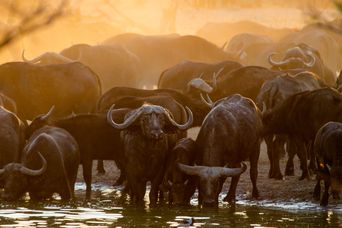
(24, 17)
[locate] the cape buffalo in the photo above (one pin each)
(246, 81)
(180, 186)
(272, 93)
(304, 58)
(71, 87)
(12, 137)
(145, 139)
(230, 134)
(177, 77)
(49, 165)
(95, 137)
(328, 151)
(301, 115)
(115, 65)
(160, 52)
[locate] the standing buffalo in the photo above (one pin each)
(115, 65)
(230, 134)
(246, 81)
(328, 151)
(178, 77)
(49, 165)
(158, 53)
(272, 93)
(95, 137)
(302, 115)
(165, 98)
(71, 87)
(145, 139)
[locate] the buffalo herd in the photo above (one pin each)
(132, 98)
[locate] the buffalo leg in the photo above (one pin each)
(100, 167)
(254, 170)
(138, 192)
(87, 169)
(230, 198)
(278, 149)
(302, 155)
(289, 170)
(269, 144)
(325, 197)
(155, 183)
(317, 190)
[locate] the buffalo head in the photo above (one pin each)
(152, 120)
(39, 122)
(295, 57)
(211, 180)
(15, 177)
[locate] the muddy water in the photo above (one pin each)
(109, 208)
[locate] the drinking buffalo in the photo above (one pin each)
(328, 151)
(230, 134)
(95, 137)
(179, 185)
(49, 165)
(12, 137)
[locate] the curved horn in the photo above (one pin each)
(275, 63)
(215, 76)
(126, 123)
(313, 60)
(49, 113)
(32, 172)
(207, 100)
(181, 126)
(200, 84)
(37, 59)
(191, 170)
(228, 172)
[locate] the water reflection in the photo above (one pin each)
(110, 208)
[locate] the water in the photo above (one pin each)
(108, 208)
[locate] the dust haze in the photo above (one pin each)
(92, 21)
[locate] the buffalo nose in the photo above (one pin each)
(157, 134)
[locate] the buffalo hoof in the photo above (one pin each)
(277, 176)
(255, 194)
(305, 175)
(324, 201)
(229, 199)
(335, 195)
